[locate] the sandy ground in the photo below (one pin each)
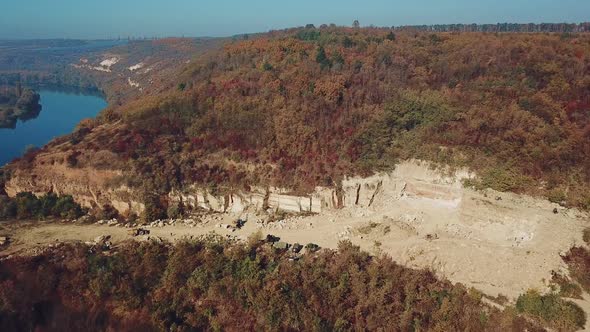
(500, 247)
(499, 243)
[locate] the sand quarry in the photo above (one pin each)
(499, 243)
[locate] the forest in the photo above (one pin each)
(212, 284)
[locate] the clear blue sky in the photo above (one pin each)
(112, 18)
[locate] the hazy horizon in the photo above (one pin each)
(110, 19)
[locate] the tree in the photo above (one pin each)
(338, 60)
(322, 58)
(347, 42)
(267, 66)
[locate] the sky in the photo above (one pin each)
(96, 19)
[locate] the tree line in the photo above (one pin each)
(500, 27)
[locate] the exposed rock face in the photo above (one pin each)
(90, 188)
(258, 198)
(408, 179)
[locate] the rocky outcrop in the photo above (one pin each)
(257, 198)
(408, 179)
(92, 188)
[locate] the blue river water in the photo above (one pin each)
(60, 114)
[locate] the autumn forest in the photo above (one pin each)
(305, 107)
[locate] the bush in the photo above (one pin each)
(501, 179)
(557, 196)
(586, 236)
(66, 207)
(108, 212)
(154, 209)
(27, 206)
(578, 261)
(175, 210)
(72, 159)
(567, 288)
(7, 208)
(552, 311)
(267, 66)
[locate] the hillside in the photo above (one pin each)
(215, 284)
(307, 107)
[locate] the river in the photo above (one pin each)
(61, 112)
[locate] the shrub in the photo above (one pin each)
(175, 210)
(107, 212)
(578, 261)
(72, 158)
(7, 208)
(267, 66)
(552, 310)
(586, 236)
(557, 196)
(27, 206)
(154, 209)
(66, 207)
(567, 288)
(502, 179)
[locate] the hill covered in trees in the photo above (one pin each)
(215, 284)
(305, 107)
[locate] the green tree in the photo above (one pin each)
(347, 42)
(322, 58)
